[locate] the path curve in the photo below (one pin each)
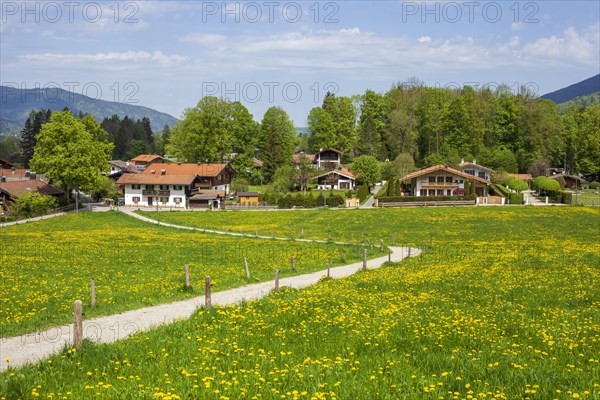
(33, 347)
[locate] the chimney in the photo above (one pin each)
(462, 161)
(163, 171)
(153, 171)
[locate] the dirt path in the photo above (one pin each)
(34, 347)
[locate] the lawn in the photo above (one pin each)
(47, 265)
(504, 304)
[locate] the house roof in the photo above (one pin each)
(155, 179)
(329, 149)
(6, 164)
(18, 188)
(575, 177)
(339, 171)
(209, 170)
(257, 163)
(146, 158)
(439, 167)
(523, 177)
(217, 192)
(247, 194)
(204, 196)
(470, 164)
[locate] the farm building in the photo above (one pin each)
(339, 179)
(248, 198)
(12, 190)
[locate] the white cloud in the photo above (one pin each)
(571, 47)
(424, 39)
(517, 26)
(127, 56)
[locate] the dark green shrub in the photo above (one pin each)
(363, 193)
(515, 198)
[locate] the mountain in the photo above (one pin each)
(583, 88)
(15, 105)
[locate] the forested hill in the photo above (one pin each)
(16, 104)
(583, 88)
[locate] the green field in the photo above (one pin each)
(47, 265)
(504, 304)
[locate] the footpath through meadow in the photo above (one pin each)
(33, 347)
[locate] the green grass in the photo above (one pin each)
(506, 306)
(46, 265)
(587, 198)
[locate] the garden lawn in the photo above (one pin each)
(506, 307)
(46, 265)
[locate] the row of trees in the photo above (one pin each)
(432, 125)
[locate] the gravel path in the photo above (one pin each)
(31, 348)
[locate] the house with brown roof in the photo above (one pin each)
(472, 168)
(157, 189)
(325, 158)
(337, 179)
(5, 164)
(12, 190)
(212, 176)
(441, 180)
(142, 161)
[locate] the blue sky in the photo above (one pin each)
(168, 55)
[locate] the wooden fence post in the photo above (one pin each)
(247, 269)
(302, 234)
(390, 256)
(329, 267)
(293, 263)
(207, 295)
(409, 252)
(78, 325)
(186, 272)
(276, 279)
(382, 245)
(365, 259)
(93, 289)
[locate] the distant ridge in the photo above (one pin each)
(583, 88)
(16, 104)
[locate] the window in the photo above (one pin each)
(448, 192)
(135, 187)
(440, 179)
(481, 175)
(136, 199)
(431, 192)
(149, 187)
(432, 179)
(423, 192)
(177, 200)
(164, 187)
(177, 187)
(164, 200)
(448, 179)
(440, 192)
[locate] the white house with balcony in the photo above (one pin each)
(441, 180)
(157, 190)
(472, 168)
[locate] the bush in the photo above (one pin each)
(546, 185)
(268, 197)
(594, 185)
(32, 204)
(515, 198)
(500, 190)
(363, 193)
(515, 184)
(310, 201)
(566, 197)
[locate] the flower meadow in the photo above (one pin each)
(49, 264)
(508, 307)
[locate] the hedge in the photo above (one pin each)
(501, 190)
(409, 199)
(515, 198)
(310, 201)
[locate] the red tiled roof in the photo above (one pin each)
(155, 179)
(444, 168)
(523, 177)
(18, 188)
(146, 158)
(186, 169)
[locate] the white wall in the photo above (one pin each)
(130, 193)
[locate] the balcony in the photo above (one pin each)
(156, 192)
(439, 185)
